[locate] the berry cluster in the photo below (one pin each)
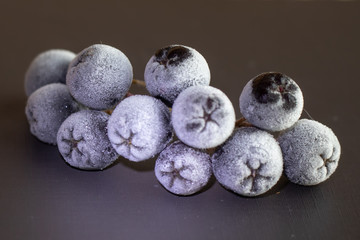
(81, 103)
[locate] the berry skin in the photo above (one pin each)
(47, 108)
(203, 117)
(174, 68)
(311, 152)
(271, 101)
(183, 170)
(83, 143)
(99, 77)
(48, 67)
(249, 163)
(139, 128)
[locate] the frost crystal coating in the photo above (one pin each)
(249, 163)
(203, 117)
(139, 128)
(99, 77)
(83, 143)
(183, 170)
(311, 152)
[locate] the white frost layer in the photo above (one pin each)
(48, 67)
(100, 76)
(183, 170)
(203, 117)
(139, 128)
(47, 108)
(249, 163)
(311, 152)
(83, 142)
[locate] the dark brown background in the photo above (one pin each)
(316, 43)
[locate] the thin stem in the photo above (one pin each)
(139, 82)
(242, 123)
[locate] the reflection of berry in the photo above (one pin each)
(47, 108)
(311, 152)
(249, 162)
(99, 76)
(203, 117)
(83, 143)
(183, 170)
(271, 101)
(139, 128)
(174, 68)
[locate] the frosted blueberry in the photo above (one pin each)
(249, 163)
(271, 101)
(311, 152)
(47, 108)
(48, 67)
(203, 117)
(139, 128)
(83, 142)
(174, 68)
(99, 77)
(183, 170)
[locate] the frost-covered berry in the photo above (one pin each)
(271, 101)
(183, 170)
(174, 68)
(48, 67)
(311, 152)
(47, 108)
(139, 128)
(83, 143)
(203, 117)
(99, 77)
(249, 163)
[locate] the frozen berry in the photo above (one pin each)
(311, 152)
(203, 117)
(249, 162)
(183, 170)
(174, 68)
(83, 142)
(47, 108)
(99, 77)
(48, 67)
(139, 128)
(271, 101)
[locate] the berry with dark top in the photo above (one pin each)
(47, 108)
(83, 142)
(249, 163)
(183, 170)
(99, 77)
(174, 68)
(271, 101)
(311, 152)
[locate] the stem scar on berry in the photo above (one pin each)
(175, 173)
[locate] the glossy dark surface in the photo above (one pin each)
(315, 43)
